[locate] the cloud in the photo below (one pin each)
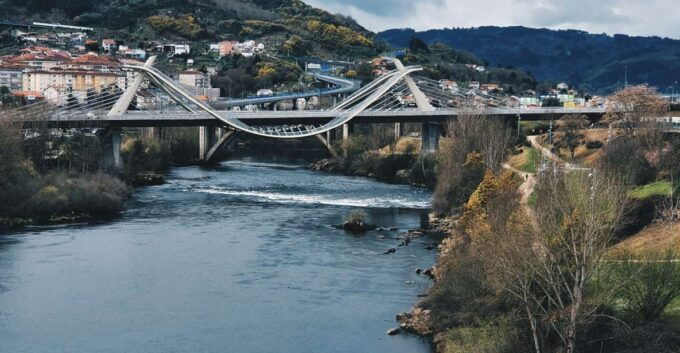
(633, 17)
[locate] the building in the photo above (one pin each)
(449, 85)
(28, 96)
(75, 80)
(93, 61)
(491, 87)
(139, 54)
(200, 83)
(39, 57)
(108, 45)
(562, 86)
(247, 48)
(227, 47)
(474, 84)
(174, 49)
(194, 78)
(62, 96)
(10, 77)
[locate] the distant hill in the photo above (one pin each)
(594, 62)
(289, 24)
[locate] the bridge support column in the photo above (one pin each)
(206, 136)
(347, 129)
(153, 133)
(398, 131)
(430, 137)
(116, 140)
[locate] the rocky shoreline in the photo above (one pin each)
(418, 321)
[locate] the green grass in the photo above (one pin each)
(645, 191)
(532, 160)
(533, 198)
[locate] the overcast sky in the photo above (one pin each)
(633, 17)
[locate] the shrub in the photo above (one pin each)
(492, 336)
(390, 164)
(647, 284)
(423, 170)
(85, 194)
(356, 217)
(624, 157)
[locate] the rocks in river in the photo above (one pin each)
(418, 270)
(429, 247)
(394, 331)
(326, 165)
(390, 251)
(403, 316)
(356, 226)
(394, 229)
(429, 272)
(148, 179)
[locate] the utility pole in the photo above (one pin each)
(625, 85)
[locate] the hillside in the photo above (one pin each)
(594, 62)
(296, 28)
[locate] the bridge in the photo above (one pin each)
(397, 96)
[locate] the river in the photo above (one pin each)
(240, 258)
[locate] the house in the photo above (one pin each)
(59, 95)
(214, 47)
(449, 85)
(10, 77)
(125, 51)
(476, 67)
(175, 49)
(39, 57)
(226, 47)
(108, 45)
(28, 96)
(474, 84)
(562, 86)
(491, 87)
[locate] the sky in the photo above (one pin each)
(632, 17)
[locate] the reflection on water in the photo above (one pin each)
(242, 258)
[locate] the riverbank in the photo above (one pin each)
(406, 169)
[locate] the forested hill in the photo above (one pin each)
(594, 62)
(305, 29)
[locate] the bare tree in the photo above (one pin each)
(638, 110)
(487, 136)
(577, 216)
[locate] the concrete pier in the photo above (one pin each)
(206, 136)
(431, 132)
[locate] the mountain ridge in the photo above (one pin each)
(594, 62)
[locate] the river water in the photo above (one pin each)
(241, 258)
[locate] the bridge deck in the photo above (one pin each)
(178, 118)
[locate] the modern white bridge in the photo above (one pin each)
(395, 97)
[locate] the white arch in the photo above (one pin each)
(382, 85)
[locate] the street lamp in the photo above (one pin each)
(673, 96)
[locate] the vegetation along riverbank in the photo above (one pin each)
(63, 176)
(576, 254)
